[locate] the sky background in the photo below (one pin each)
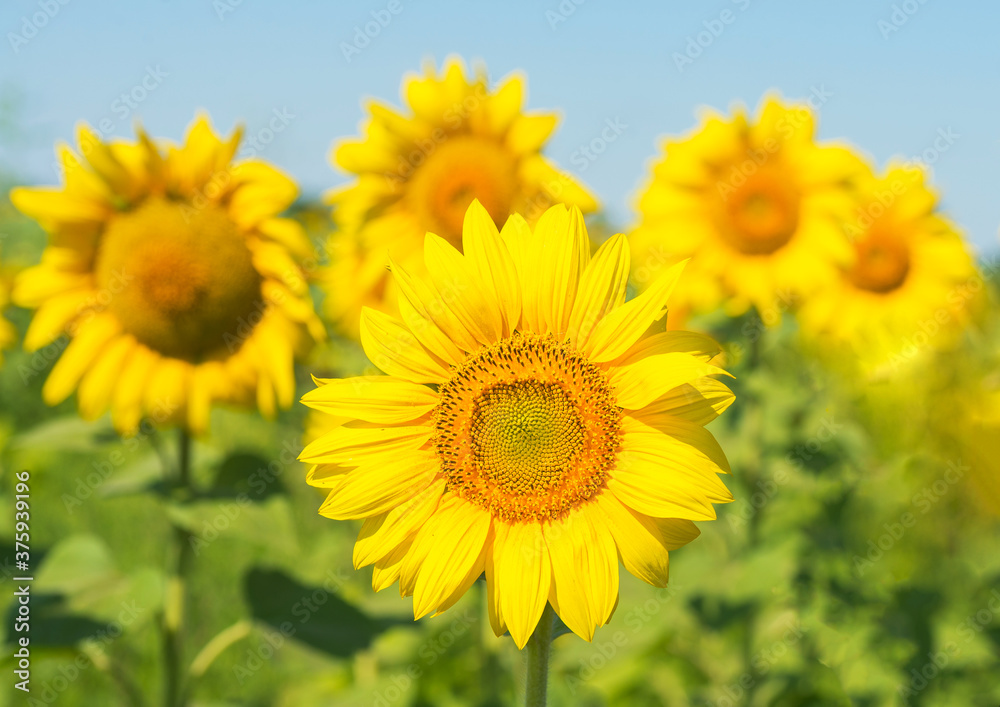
(892, 86)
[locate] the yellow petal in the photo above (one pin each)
(393, 348)
(702, 347)
(585, 570)
(700, 402)
(98, 383)
(126, 402)
(528, 133)
(639, 542)
(522, 573)
(54, 316)
(564, 257)
(54, 207)
(525, 250)
(430, 318)
(377, 487)
(492, 263)
(622, 327)
(638, 384)
(459, 292)
(373, 398)
(351, 446)
(380, 534)
(455, 537)
(602, 288)
(386, 570)
(91, 339)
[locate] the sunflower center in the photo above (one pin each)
(761, 215)
(457, 171)
(181, 280)
(882, 263)
(527, 428)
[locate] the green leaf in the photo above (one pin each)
(315, 616)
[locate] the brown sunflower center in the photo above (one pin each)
(527, 428)
(882, 262)
(181, 280)
(454, 173)
(761, 214)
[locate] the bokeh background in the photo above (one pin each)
(813, 588)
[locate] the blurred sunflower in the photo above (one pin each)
(419, 172)
(172, 278)
(8, 334)
(754, 205)
(533, 426)
(910, 284)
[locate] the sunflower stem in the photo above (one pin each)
(538, 648)
(174, 606)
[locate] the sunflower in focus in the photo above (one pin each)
(171, 278)
(910, 285)
(755, 205)
(533, 426)
(419, 172)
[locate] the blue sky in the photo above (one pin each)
(898, 74)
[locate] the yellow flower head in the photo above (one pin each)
(910, 284)
(418, 173)
(753, 204)
(170, 276)
(533, 426)
(8, 334)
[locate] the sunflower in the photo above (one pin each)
(8, 334)
(910, 284)
(419, 172)
(755, 207)
(533, 426)
(168, 279)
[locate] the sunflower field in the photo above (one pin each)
(463, 430)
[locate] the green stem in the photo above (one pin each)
(539, 646)
(174, 609)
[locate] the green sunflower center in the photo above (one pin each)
(456, 171)
(180, 279)
(527, 428)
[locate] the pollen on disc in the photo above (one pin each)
(527, 428)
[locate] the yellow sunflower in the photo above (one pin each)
(419, 172)
(170, 276)
(910, 284)
(755, 205)
(533, 426)
(8, 334)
